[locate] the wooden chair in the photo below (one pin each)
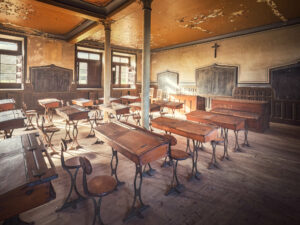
(29, 115)
(159, 95)
(177, 155)
(97, 187)
(69, 165)
(48, 130)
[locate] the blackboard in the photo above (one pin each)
(168, 81)
(51, 78)
(216, 80)
(286, 81)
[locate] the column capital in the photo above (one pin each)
(107, 23)
(146, 4)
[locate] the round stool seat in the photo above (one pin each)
(51, 129)
(72, 162)
(30, 112)
(178, 154)
(101, 185)
(171, 139)
(218, 140)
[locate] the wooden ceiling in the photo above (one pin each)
(173, 22)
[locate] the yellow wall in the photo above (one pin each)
(44, 51)
(253, 53)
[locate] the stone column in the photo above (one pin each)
(107, 65)
(146, 63)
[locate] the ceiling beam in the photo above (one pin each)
(82, 32)
(83, 10)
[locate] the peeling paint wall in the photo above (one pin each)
(254, 54)
(43, 51)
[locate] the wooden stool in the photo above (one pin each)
(97, 187)
(48, 130)
(213, 163)
(137, 118)
(29, 115)
(68, 165)
(176, 155)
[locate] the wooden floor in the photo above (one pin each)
(261, 185)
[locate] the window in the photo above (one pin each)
(88, 67)
(123, 69)
(11, 63)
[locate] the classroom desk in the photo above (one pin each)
(139, 146)
(25, 183)
(83, 102)
(111, 99)
(116, 109)
(7, 104)
(126, 99)
(10, 120)
(72, 114)
(170, 105)
(198, 133)
(225, 122)
(49, 104)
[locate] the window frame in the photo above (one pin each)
(122, 55)
(21, 51)
(77, 60)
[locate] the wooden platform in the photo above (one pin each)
(258, 186)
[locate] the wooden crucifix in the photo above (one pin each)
(215, 46)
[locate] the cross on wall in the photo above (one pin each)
(215, 46)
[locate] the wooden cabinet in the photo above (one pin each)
(190, 102)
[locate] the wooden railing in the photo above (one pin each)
(287, 111)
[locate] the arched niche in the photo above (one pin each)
(168, 81)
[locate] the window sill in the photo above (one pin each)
(123, 88)
(11, 89)
(89, 89)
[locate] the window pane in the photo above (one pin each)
(124, 60)
(94, 56)
(124, 74)
(116, 59)
(11, 46)
(8, 78)
(7, 68)
(117, 75)
(8, 59)
(82, 73)
(83, 55)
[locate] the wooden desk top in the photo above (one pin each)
(7, 104)
(111, 99)
(170, 104)
(83, 102)
(115, 108)
(12, 119)
(22, 168)
(230, 99)
(73, 112)
(237, 113)
(46, 101)
(7, 101)
(224, 121)
(129, 97)
(138, 145)
(137, 106)
(189, 129)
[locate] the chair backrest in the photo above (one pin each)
(159, 94)
(24, 106)
(151, 92)
(87, 170)
(63, 148)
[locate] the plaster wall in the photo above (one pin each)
(44, 51)
(254, 54)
